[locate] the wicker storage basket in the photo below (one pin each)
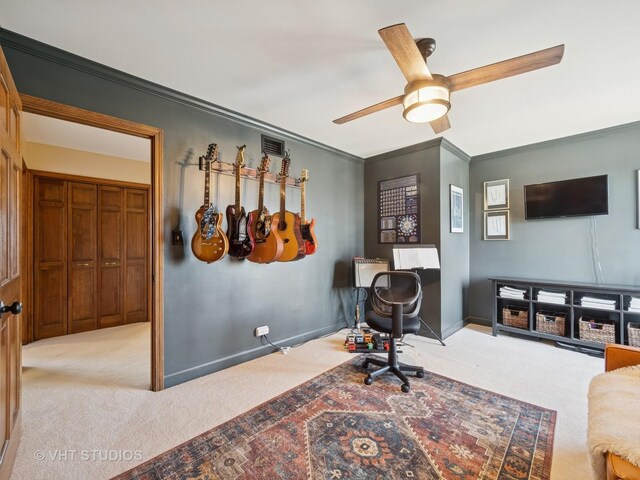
(550, 322)
(515, 317)
(598, 331)
(633, 332)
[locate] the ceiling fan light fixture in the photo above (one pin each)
(425, 101)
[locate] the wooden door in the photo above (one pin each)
(82, 312)
(136, 247)
(110, 256)
(50, 258)
(10, 281)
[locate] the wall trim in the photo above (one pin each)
(197, 371)
(579, 137)
(457, 151)
(447, 332)
(61, 57)
(436, 142)
(478, 321)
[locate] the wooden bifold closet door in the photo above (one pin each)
(91, 255)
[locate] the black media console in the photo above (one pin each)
(614, 318)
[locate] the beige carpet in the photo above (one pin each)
(85, 395)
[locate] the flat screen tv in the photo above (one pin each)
(567, 198)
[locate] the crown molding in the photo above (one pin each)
(435, 143)
(61, 57)
(579, 137)
(458, 152)
(439, 142)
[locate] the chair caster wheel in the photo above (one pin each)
(405, 387)
(419, 374)
(368, 380)
(365, 364)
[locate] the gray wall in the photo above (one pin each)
(425, 160)
(558, 249)
(439, 164)
(211, 311)
(454, 247)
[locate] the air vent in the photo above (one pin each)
(272, 146)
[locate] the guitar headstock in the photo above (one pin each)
(304, 175)
(212, 152)
(240, 156)
(264, 165)
(284, 169)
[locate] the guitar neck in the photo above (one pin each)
(238, 170)
(283, 195)
(207, 177)
(303, 214)
(261, 193)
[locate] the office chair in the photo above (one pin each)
(396, 298)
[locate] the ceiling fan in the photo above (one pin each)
(427, 96)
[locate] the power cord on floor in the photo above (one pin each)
(286, 350)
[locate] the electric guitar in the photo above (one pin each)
(268, 245)
(240, 238)
(288, 222)
(209, 243)
(306, 228)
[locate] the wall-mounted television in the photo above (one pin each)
(567, 198)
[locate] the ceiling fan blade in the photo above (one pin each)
(506, 68)
(440, 124)
(405, 52)
(369, 110)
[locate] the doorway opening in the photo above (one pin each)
(92, 195)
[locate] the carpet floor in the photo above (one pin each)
(88, 393)
(334, 426)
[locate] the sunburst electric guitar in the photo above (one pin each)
(288, 222)
(209, 243)
(240, 239)
(306, 228)
(268, 245)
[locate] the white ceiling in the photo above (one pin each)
(60, 133)
(299, 65)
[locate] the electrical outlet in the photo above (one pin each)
(260, 331)
(176, 237)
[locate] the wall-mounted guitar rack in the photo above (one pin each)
(250, 173)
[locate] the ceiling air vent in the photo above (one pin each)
(272, 146)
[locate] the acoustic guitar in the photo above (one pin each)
(288, 222)
(209, 243)
(240, 239)
(268, 245)
(306, 228)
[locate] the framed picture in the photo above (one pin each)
(399, 209)
(496, 194)
(456, 213)
(496, 225)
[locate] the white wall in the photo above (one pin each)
(75, 162)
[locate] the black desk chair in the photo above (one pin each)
(396, 298)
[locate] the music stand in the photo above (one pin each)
(417, 257)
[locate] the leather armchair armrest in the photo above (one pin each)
(618, 356)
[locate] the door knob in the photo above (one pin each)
(15, 308)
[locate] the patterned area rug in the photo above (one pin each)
(335, 427)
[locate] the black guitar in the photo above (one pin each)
(240, 239)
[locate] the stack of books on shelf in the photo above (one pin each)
(634, 306)
(510, 292)
(552, 297)
(596, 302)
